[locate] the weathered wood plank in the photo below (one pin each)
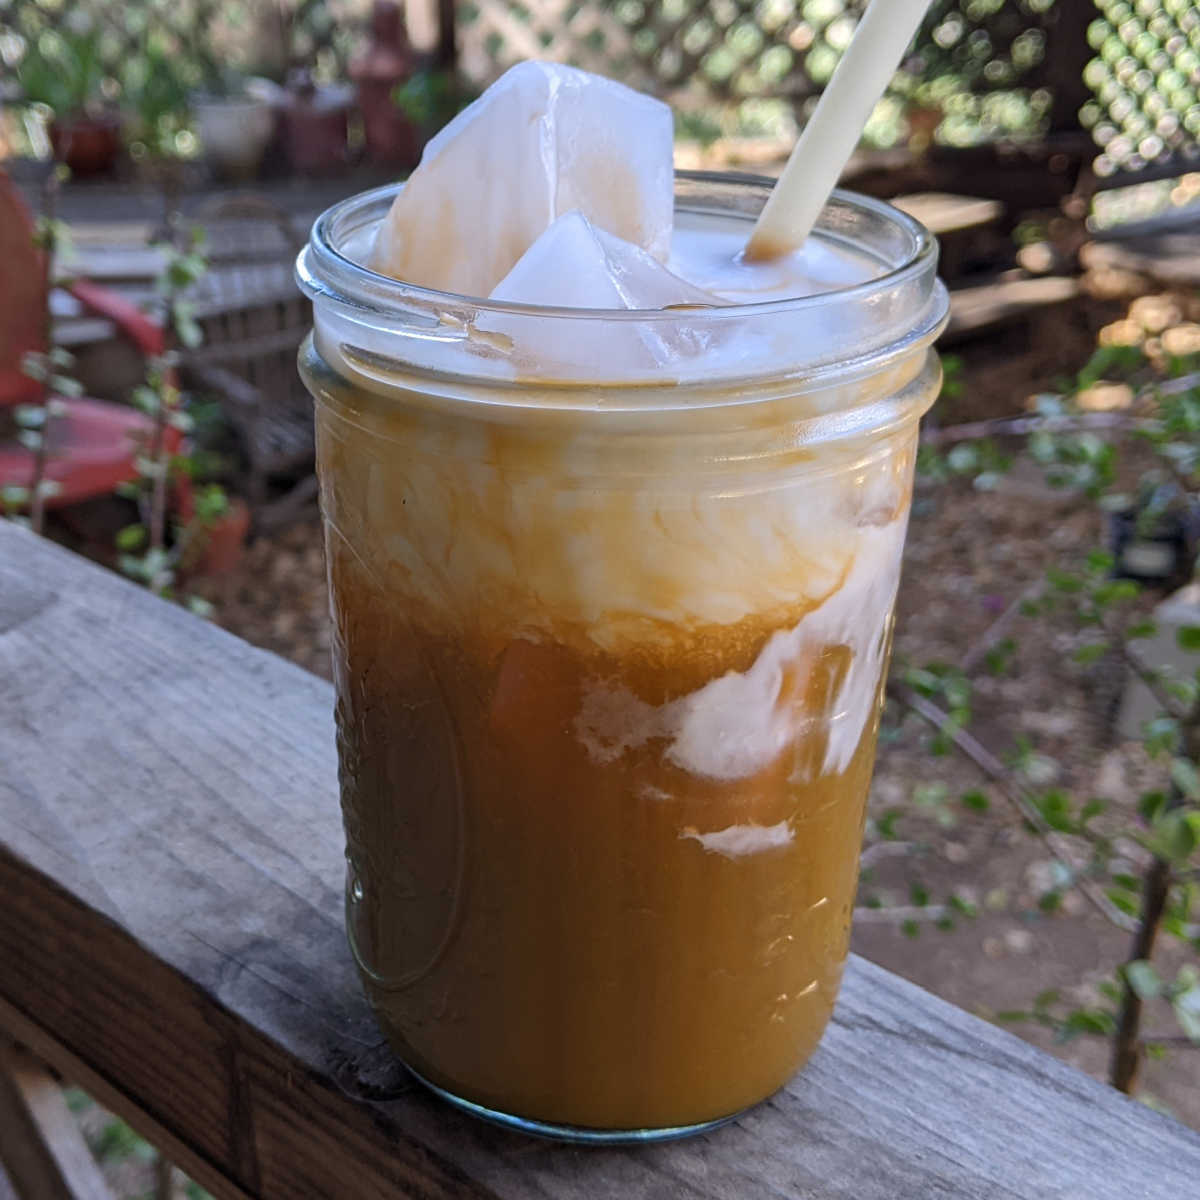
(170, 868)
(1003, 301)
(40, 1145)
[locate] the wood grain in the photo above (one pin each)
(170, 878)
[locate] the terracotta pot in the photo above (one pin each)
(88, 145)
(315, 128)
(225, 540)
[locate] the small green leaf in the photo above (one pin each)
(1143, 978)
(1187, 1012)
(1141, 629)
(64, 385)
(1151, 805)
(1115, 592)
(35, 366)
(1189, 637)
(132, 566)
(1050, 902)
(999, 657)
(976, 801)
(1186, 778)
(1093, 1021)
(146, 398)
(925, 682)
(200, 607)
(1063, 581)
(963, 458)
(929, 795)
(886, 825)
(1173, 837)
(1091, 653)
(918, 894)
(1055, 807)
(910, 929)
(188, 332)
(29, 416)
(132, 537)
(1160, 735)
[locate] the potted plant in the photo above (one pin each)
(156, 105)
(62, 69)
(235, 118)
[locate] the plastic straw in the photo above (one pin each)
(829, 138)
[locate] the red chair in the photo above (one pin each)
(91, 446)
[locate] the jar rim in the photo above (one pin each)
(381, 331)
(324, 271)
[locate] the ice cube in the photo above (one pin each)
(575, 265)
(541, 141)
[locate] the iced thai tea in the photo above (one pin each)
(612, 599)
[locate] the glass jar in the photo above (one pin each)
(612, 599)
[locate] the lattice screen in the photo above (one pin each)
(198, 35)
(742, 48)
(985, 61)
(1146, 80)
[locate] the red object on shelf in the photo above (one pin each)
(91, 444)
(89, 145)
(387, 62)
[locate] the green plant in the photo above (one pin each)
(146, 553)
(697, 125)
(156, 97)
(430, 98)
(1134, 858)
(62, 68)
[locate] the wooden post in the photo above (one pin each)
(447, 43)
(1067, 55)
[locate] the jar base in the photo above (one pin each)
(580, 1135)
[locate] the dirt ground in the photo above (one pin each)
(970, 554)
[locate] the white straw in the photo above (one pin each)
(832, 133)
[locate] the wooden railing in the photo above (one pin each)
(171, 940)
